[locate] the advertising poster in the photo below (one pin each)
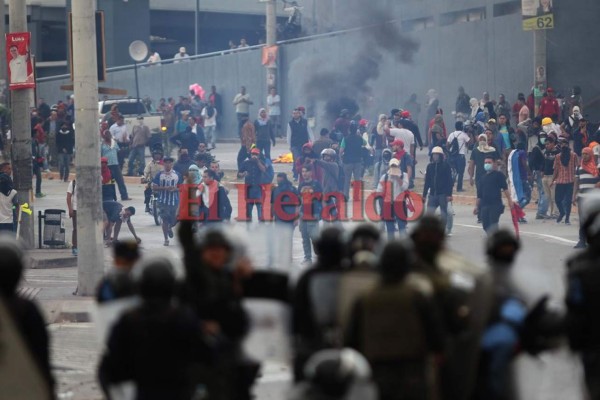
(269, 56)
(537, 14)
(20, 65)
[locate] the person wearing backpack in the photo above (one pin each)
(457, 144)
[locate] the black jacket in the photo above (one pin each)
(65, 141)
(438, 179)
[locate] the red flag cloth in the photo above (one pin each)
(517, 213)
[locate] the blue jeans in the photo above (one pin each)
(211, 134)
(259, 209)
(64, 160)
(309, 231)
(136, 154)
(390, 226)
(44, 153)
(459, 163)
(542, 197)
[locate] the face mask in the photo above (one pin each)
(547, 128)
(543, 140)
(64, 131)
(487, 167)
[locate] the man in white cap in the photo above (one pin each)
(181, 56)
(438, 184)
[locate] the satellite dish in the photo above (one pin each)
(138, 50)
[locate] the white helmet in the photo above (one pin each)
(328, 152)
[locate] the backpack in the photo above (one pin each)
(454, 149)
(210, 111)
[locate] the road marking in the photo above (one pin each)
(542, 235)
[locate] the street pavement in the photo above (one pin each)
(75, 349)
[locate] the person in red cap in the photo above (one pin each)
(106, 175)
(549, 107)
(252, 171)
(406, 161)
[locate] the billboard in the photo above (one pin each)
(20, 65)
(537, 14)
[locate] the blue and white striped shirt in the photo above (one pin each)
(168, 179)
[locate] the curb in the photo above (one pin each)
(55, 262)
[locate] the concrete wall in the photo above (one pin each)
(573, 52)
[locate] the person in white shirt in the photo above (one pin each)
(181, 56)
(72, 206)
(406, 136)
(274, 108)
(18, 66)
(154, 58)
(118, 130)
(458, 151)
(242, 103)
(209, 114)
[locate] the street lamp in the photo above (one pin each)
(138, 50)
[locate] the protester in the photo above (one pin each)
(110, 149)
(298, 134)
(166, 184)
(310, 211)
(489, 191)
(215, 207)
(72, 209)
(114, 215)
(351, 152)
(64, 142)
(140, 137)
(265, 133)
(393, 210)
(253, 170)
(457, 144)
(438, 184)
(242, 104)
(563, 180)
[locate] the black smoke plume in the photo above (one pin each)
(348, 85)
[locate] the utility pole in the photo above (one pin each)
(271, 41)
(90, 262)
(196, 27)
(21, 133)
(539, 64)
(2, 47)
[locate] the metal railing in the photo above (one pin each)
(229, 51)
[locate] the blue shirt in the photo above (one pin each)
(503, 130)
(110, 153)
(168, 179)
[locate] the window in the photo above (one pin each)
(508, 8)
(417, 24)
(457, 17)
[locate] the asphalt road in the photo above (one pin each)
(538, 270)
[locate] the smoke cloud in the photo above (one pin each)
(348, 84)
